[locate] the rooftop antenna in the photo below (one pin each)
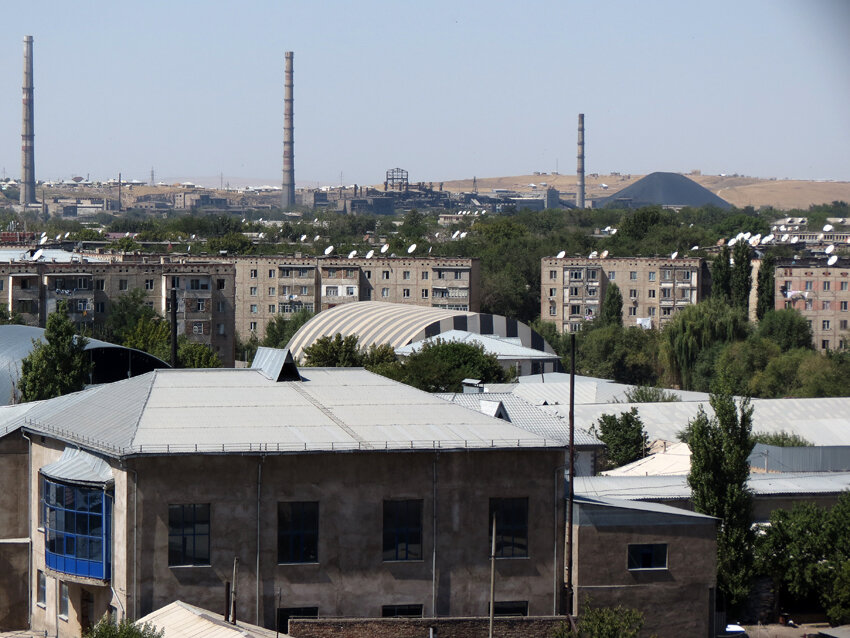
(832, 260)
(561, 254)
(411, 248)
(352, 254)
(828, 228)
(369, 254)
(329, 250)
(829, 249)
(385, 248)
(675, 254)
(604, 254)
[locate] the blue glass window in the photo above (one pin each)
(76, 523)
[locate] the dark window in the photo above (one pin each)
(298, 532)
(220, 284)
(189, 534)
(41, 593)
(510, 608)
(511, 527)
(648, 556)
(401, 611)
(285, 614)
(403, 530)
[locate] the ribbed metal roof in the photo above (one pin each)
(376, 322)
(523, 415)
(78, 466)
(772, 458)
(633, 510)
(553, 387)
(235, 411)
(181, 620)
(675, 460)
(504, 348)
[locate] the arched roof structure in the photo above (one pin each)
(376, 322)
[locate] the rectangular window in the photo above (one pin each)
(405, 274)
(824, 344)
(632, 293)
(632, 311)
(253, 291)
(651, 311)
(511, 527)
(552, 310)
(304, 290)
(332, 291)
(574, 291)
(189, 534)
(553, 275)
(843, 286)
(458, 274)
(272, 273)
(272, 291)
(197, 328)
(331, 273)
(175, 282)
(825, 324)
(650, 293)
(553, 292)
(424, 274)
(99, 306)
(686, 275)
(652, 275)
(665, 293)
(253, 308)
(272, 308)
(843, 306)
(349, 273)
(633, 275)
(253, 273)
(285, 614)
(41, 591)
(198, 284)
(592, 274)
(826, 285)
(665, 312)
(202, 305)
(591, 292)
(424, 293)
(510, 608)
(25, 284)
(401, 611)
(349, 291)
(385, 274)
(219, 306)
(575, 309)
(576, 274)
(368, 274)
(683, 293)
(402, 530)
(252, 326)
(405, 292)
(667, 274)
(82, 305)
(99, 284)
(843, 324)
(63, 600)
(807, 285)
(825, 305)
(122, 284)
(385, 292)
(298, 532)
(219, 284)
(612, 275)
(148, 284)
(220, 328)
(82, 283)
(809, 304)
(303, 272)
(286, 272)
(649, 556)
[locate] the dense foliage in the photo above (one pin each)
(624, 437)
(123, 629)
(604, 622)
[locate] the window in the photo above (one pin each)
(401, 611)
(285, 614)
(612, 275)
(254, 308)
(122, 284)
(331, 273)
(666, 293)
(349, 291)
(825, 324)
(591, 292)
(652, 275)
(220, 328)
(99, 284)
(368, 274)
(553, 275)
(405, 292)
(511, 527)
(272, 291)
(405, 274)
(666, 274)
(252, 326)
(286, 272)
(510, 608)
(385, 292)
(592, 274)
(253, 291)
(272, 273)
(574, 291)
(633, 275)
(650, 556)
(665, 312)
(825, 305)
(332, 291)
(632, 311)
(824, 344)
(843, 324)
(82, 283)
(424, 293)
(76, 524)
(632, 293)
(809, 304)
(148, 284)
(385, 274)
(219, 306)
(826, 285)
(843, 286)
(303, 272)
(272, 308)
(219, 284)
(82, 305)
(686, 275)
(807, 285)
(575, 274)
(305, 290)
(552, 310)
(402, 530)
(175, 282)
(198, 284)
(424, 275)
(99, 306)
(63, 600)
(189, 534)
(298, 532)
(197, 328)
(553, 292)
(253, 273)
(458, 274)
(575, 309)
(843, 306)
(201, 306)
(25, 284)
(651, 311)
(683, 293)
(650, 293)
(41, 589)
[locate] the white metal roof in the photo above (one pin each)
(78, 466)
(181, 620)
(236, 411)
(675, 460)
(507, 348)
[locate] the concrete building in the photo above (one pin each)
(341, 494)
(206, 293)
(821, 293)
(653, 288)
(268, 286)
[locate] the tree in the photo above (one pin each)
(125, 313)
(9, 318)
(333, 352)
(612, 307)
(720, 447)
(57, 366)
(721, 276)
(766, 286)
(741, 281)
(624, 436)
(441, 366)
(650, 394)
(151, 335)
(787, 328)
(195, 355)
(124, 629)
(281, 329)
(781, 439)
(604, 622)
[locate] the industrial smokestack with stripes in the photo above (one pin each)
(580, 168)
(288, 197)
(27, 133)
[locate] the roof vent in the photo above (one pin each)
(473, 386)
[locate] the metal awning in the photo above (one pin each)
(77, 466)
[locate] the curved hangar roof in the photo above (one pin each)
(376, 322)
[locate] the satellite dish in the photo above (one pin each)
(747, 235)
(463, 235)
(561, 254)
(315, 219)
(755, 240)
(613, 231)
(456, 233)
(369, 254)
(828, 228)
(385, 248)
(243, 220)
(604, 254)
(675, 254)
(44, 234)
(733, 241)
(820, 237)
(694, 247)
(352, 254)
(329, 250)
(58, 237)
(42, 241)
(316, 238)
(37, 254)
(437, 234)
(832, 260)
(68, 234)
(768, 239)
(303, 237)
(593, 255)
(795, 239)
(782, 228)
(411, 248)
(429, 249)
(829, 249)
(784, 238)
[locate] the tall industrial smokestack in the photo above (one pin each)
(580, 168)
(288, 198)
(27, 134)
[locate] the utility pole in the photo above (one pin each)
(492, 575)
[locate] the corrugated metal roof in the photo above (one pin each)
(772, 458)
(675, 460)
(820, 421)
(640, 507)
(275, 364)
(78, 466)
(181, 620)
(229, 411)
(503, 348)
(553, 387)
(524, 415)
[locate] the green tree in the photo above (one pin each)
(650, 394)
(333, 352)
(151, 334)
(9, 318)
(720, 447)
(281, 329)
(57, 366)
(604, 622)
(787, 328)
(123, 629)
(741, 281)
(626, 355)
(195, 355)
(611, 312)
(441, 366)
(623, 435)
(781, 439)
(721, 276)
(766, 286)
(234, 243)
(125, 313)
(742, 361)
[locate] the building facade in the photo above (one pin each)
(572, 289)
(268, 286)
(821, 293)
(205, 294)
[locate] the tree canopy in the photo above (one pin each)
(624, 436)
(123, 629)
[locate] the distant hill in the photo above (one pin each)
(665, 189)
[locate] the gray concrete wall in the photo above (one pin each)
(350, 578)
(13, 480)
(14, 562)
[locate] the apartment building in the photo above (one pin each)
(205, 294)
(572, 289)
(267, 286)
(821, 293)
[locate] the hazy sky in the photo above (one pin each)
(444, 89)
